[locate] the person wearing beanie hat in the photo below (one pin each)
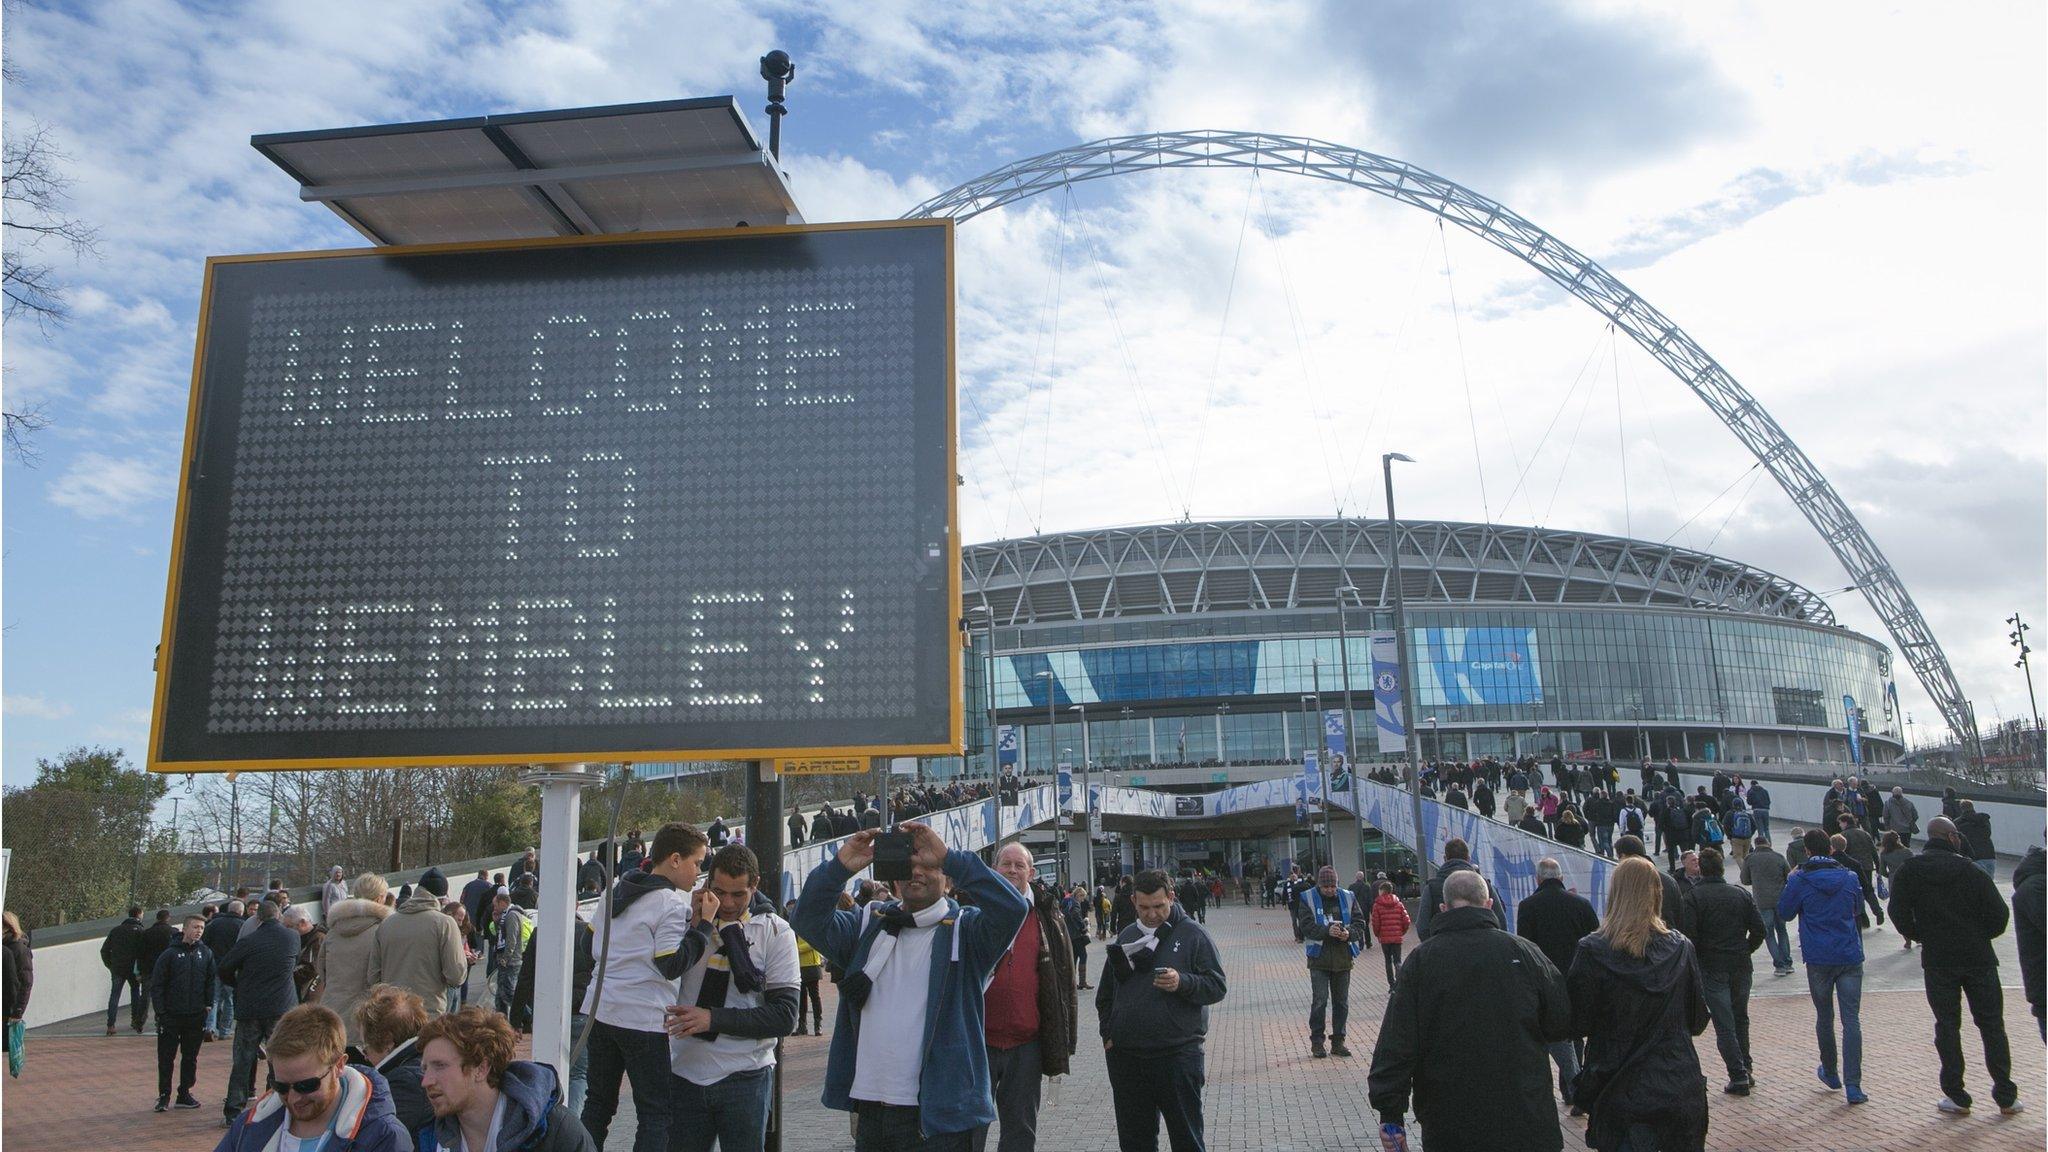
(434, 882)
(1331, 923)
(418, 948)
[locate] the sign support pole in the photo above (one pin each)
(561, 810)
(765, 837)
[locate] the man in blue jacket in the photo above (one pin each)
(1823, 896)
(909, 1055)
(317, 1097)
(259, 967)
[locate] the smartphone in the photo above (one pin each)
(892, 856)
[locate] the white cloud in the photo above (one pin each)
(98, 486)
(34, 707)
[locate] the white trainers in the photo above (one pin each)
(2012, 1109)
(1951, 1108)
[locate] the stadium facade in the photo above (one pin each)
(1200, 644)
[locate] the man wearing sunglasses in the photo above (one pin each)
(317, 1102)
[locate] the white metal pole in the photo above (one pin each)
(561, 809)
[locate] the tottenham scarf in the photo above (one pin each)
(730, 966)
(1130, 957)
(894, 918)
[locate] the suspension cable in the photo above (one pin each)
(1216, 360)
(1052, 366)
(1386, 379)
(1716, 500)
(1620, 434)
(1585, 406)
(1308, 375)
(1464, 373)
(1563, 404)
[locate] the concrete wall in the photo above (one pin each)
(2015, 825)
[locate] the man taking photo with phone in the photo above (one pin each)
(1161, 975)
(909, 1054)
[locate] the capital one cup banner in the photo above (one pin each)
(1855, 730)
(1387, 713)
(1503, 853)
(1006, 745)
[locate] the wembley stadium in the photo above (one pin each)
(1210, 646)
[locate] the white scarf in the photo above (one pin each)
(1146, 938)
(884, 945)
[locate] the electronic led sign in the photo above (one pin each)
(672, 497)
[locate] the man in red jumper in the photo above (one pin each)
(1029, 1009)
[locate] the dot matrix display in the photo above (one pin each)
(654, 498)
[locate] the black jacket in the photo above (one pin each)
(1639, 1017)
(181, 982)
(221, 933)
(1951, 906)
(1555, 920)
(579, 975)
(155, 939)
(1474, 1005)
(1976, 828)
(21, 976)
(122, 949)
(1136, 1016)
(1433, 895)
(260, 969)
(2029, 895)
(1727, 926)
(401, 1071)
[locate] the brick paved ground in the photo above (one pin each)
(88, 1092)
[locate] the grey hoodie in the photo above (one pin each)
(345, 958)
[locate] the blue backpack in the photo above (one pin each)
(1710, 829)
(1739, 824)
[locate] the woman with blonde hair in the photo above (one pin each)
(1638, 999)
(344, 970)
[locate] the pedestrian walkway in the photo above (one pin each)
(1266, 1094)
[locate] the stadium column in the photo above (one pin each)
(1344, 849)
(765, 836)
(561, 811)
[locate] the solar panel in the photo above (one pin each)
(663, 166)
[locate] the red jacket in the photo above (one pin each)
(1389, 919)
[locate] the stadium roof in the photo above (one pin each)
(1242, 565)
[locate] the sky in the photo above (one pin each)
(1840, 202)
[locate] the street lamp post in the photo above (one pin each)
(988, 696)
(1087, 776)
(1401, 656)
(1222, 740)
(2018, 636)
(1052, 736)
(1344, 596)
(1312, 716)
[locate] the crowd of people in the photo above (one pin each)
(958, 985)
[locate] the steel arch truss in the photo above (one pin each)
(1564, 265)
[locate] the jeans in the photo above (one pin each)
(508, 987)
(1150, 1086)
(617, 1052)
(221, 1021)
(1013, 1075)
(1828, 983)
(732, 1112)
(1603, 839)
(1565, 1054)
(1776, 939)
(180, 1037)
(579, 1069)
(1727, 991)
(808, 999)
(250, 1034)
(1762, 817)
(1331, 989)
(894, 1128)
(138, 1006)
(1946, 989)
(1391, 953)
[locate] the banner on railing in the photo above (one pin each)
(1388, 714)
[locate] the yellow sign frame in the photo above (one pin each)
(954, 665)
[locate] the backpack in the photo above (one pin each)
(1632, 821)
(1710, 829)
(1739, 824)
(1677, 816)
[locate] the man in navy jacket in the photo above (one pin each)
(909, 1054)
(1158, 980)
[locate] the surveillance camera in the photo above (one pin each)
(775, 66)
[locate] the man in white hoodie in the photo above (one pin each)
(656, 936)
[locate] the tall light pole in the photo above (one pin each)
(1312, 720)
(1401, 658)
(1345, 595)
(1223, 740)
(1087, 775)
(2018, 636)
(988, 694)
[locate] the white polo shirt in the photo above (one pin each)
(771, 942)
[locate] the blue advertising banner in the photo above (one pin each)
(1478, 666)
(1855, 730)
(1006, 745)
(1386, 694)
